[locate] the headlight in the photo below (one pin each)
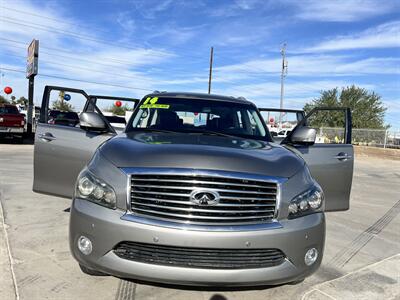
(95, 190)
(308, 202)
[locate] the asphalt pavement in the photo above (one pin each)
(361, 259)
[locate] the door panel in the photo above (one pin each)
(331, 159)
(62, 148)
(334, 174)
(58, 160)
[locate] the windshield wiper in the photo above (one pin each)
(204, 132)
(155, 130)
(210, 132)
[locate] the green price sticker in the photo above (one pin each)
(152, 103)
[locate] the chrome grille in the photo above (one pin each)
(167, 197)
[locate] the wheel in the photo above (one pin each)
(90, 271)
(296, 281)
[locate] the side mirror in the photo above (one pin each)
(304, 135)
(92, 121)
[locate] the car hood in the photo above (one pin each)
(196, 151)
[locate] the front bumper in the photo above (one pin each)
(106, 229)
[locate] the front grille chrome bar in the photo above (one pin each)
(165, 195)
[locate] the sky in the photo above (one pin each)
(132, 47)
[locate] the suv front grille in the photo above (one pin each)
(168, 197)
(199, 257)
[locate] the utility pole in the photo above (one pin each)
(31, 71)
(211, 65)
(31, 86)
(283, 75)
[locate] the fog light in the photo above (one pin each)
(311, 256)
(85, 245)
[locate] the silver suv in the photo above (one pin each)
(194, 191)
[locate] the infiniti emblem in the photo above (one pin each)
(204, 197)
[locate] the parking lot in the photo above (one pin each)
(361, 260)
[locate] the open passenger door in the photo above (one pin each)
(330, 155)
(63, 145)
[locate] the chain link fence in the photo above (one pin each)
(363, 137)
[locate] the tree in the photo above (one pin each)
(118, 110)
(367, 108)
(62, 105)
(22, 101)
(3, 99)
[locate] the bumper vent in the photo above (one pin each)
(199, 257)
(184, 199)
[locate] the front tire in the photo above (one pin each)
(296, 281)
(90, 272)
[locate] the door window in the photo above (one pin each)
(330, 126)
(117, 111)
(64, 108)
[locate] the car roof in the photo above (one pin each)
(200, 96)
(7, 104)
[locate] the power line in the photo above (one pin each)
(79, 80)
(77, 67)
(74, 54)
(58, 30)
(65, 51)
(113, 66)
(77, 35)
(48, 18)
(75, 58)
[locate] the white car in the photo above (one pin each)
(284, 133)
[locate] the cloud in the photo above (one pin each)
(393, 106)
(151, 9)
(341, 10)
(85, 61)
(311, 10)
(126, 22)
(235, 8)
(292, 89)
(173, 33)
(386, 35)
(312, 65)
(267, 94)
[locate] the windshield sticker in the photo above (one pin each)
(152, 103)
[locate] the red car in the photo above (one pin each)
(12, 122)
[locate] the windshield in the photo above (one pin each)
(9, 110)
(198, 116)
